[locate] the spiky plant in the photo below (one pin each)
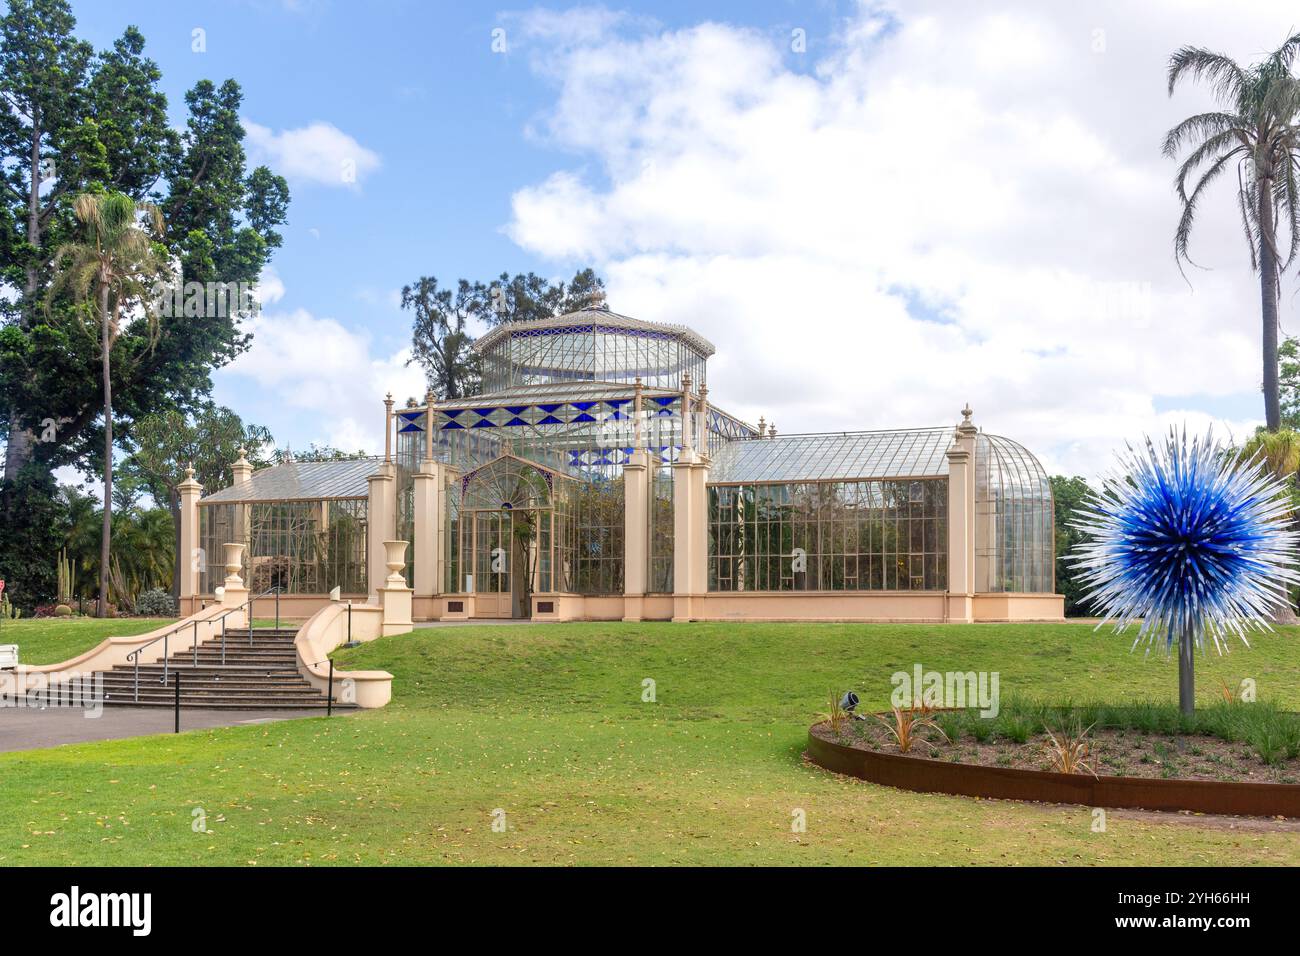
(1189, 541)
(1255, 134)
(1070, 750)
(906, 724)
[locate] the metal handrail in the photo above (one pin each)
(134, 656)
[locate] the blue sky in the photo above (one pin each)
(450, 120)
(930, 203)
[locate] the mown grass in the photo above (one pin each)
(550, 726)
(50, 640)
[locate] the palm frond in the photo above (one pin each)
(1183, 233)
(1249, 212)
(1203, 153)
(1226, 78)
(1284, 55)
(1202, 126)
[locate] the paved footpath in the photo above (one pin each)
(24, 728)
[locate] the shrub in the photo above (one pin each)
(155, 603)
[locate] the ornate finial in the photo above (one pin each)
(686, 381)
(243, 452)
(771, 430)
(428, 396)
(388, 399)
(704, 390)
(966, 413)
(762, 426)
(189, 472)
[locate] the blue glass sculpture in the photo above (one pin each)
(1187, 541)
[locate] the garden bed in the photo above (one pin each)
(1232, 758)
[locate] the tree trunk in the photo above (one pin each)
(19, 450)
(1186, 674)
(106, 538)
(1268, 302)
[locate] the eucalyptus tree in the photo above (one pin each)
(1254, 134)
(110, 272)
(441, 337)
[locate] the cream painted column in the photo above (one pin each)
(195, 561)
(690, 535)
(381, 525)
(636, 515)
(381, 510)
(961, 521)
(636, 532)
(241, 470)
(426, 548)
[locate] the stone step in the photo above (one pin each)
(317, 703)
(188, 682)
(155, 672)
(168, 694)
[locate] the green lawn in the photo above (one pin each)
(49, 640)
(546, 723)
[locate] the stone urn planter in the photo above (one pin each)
(395, 559)
(234, 554)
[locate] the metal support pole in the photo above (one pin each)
(277, 607)
(166, 659)
(250, 622)
(178, 702)
(223, 640)
(137, 676)
(349, 622)
(329, 700)
(195, 648)
(1186, 673)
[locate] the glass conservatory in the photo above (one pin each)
(302, 524)
(595, 477)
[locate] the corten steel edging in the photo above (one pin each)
(1009, 783)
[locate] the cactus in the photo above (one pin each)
(67, 573)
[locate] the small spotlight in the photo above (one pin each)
(848, 701)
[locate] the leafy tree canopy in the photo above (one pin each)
(443, 318)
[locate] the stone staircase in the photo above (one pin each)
(257, 675)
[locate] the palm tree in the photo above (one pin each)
(109, 272)
(1256, 134)
(1278, 453)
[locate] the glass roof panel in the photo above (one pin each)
(909, 453)
(301, 481)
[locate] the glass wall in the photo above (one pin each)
(566, 534)
(1014, 541)
(306, 547)
(829, 536)
(597, 526)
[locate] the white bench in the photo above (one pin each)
(8, 656)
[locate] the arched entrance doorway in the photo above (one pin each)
(509, 521)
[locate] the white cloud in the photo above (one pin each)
(319, 153)
(328, 371)
(951, 203)
(270, 287)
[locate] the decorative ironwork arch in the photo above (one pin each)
(508, 484)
